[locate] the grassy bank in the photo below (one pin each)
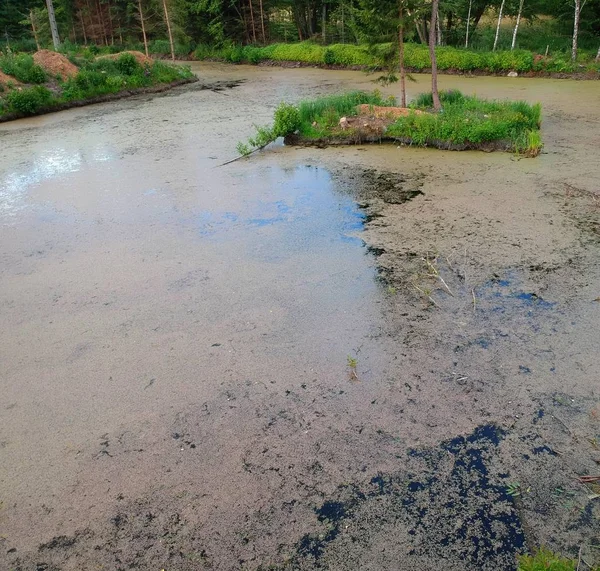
(416, 58)
(28, 89)
(465, 123)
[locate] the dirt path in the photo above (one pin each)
(175, 384)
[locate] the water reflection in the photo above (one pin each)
(15, 184)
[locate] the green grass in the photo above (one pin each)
(22, 68)
(472, 121)
(545, 560)
(416, 57)
(465, 122)
(96, 78)
(325, 112)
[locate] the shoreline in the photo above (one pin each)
(100, 99)
(289, 64)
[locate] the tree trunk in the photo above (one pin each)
(53, 27)
(598, 55)
(252, 21)
(434, 86)
(101, 22)
(576, 29)
(468, 23)
(32, 18)
(498, 26)
(112, 28)
(324, 24)
(401, 54)
(420, 33)
(514, 40)
(83, 27)
(168, 22)
(438, 28)
(143, 27)
(262, 21)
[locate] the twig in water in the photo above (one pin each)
(474, 301)
(579, 557)
(589, 479)
(242, 156)
(436, 274)
(563, 423)
(426, 295)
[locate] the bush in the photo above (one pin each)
(128, 65)
(29, 101)
(22, 68)
(286, 120)
(416, 57)
(159, 47)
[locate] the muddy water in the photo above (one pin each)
(176, 337)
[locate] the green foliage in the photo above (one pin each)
(127, 64)
(381, 55)
(22, 68)
(96, 78)
(545, 560)
(286, 120)
(337, 106)
(465, 120)
(28, 101)
(469, 120)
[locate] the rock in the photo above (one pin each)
(513, 74)
(344, 123)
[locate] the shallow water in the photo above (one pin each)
(144, 287)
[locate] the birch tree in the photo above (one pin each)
(468, 24)
(514, 38)
(499, 22)
(578, 7)
(432, 37)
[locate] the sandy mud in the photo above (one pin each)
(372, 358)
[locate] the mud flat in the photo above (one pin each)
(175, 383)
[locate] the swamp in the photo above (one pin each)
(372, 357)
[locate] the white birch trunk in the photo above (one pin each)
(498, 26)
(514, 40)
(468, 24)
(576, 29)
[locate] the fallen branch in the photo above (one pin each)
(563, 423)
(241, 157)
(426, 295)
(589, 479)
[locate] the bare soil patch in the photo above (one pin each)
(7, 80)
(55, 64)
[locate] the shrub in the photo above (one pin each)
(329, 57)
(22, 67)
(29, 101)
(159, 47)
(286, 120)
(128, 65)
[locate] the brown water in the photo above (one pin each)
(175, 383)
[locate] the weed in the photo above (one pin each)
(514, 489)
(22, 68)
(545, 560)
(352, 362)
(29, 101)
